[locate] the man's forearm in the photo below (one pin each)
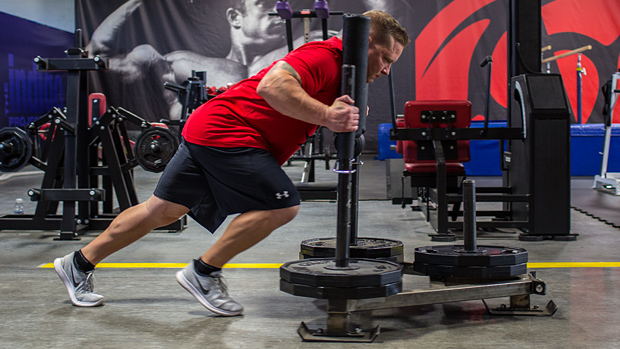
(106, 33)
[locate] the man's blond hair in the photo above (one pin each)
(384, 27)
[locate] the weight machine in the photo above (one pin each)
(83, 143)
(535, 196)
(192, 93)
(609, 180)
(534, 147)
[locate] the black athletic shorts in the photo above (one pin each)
(216, 182)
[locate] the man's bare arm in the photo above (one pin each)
(102, 40)
(282, 89)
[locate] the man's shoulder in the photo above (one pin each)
(333, 43)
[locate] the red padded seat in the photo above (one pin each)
(451, 167)
(418, 155)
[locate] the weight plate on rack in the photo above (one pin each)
(15, 149)
(371, 248)
(475, 272)
(482, 256)
(154, 148)
(323, 272)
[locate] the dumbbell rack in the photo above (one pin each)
(69, 157)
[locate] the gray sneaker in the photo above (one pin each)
(80, 285)
(210, 291)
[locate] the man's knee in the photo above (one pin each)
(164, 211)
(284, 215)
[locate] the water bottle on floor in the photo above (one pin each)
(19, 206)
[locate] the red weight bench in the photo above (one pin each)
(436, 165)
(419, 156)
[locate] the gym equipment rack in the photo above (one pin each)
(70, 156)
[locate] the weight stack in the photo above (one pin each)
(539, 165)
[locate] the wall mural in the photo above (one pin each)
(151, 42)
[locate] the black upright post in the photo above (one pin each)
(74, 84)
(359, 58)
(345, 145)
(82, 143)
(524, 42)
(524, 39)
(469, 215)
(356, 30)
(354, 207)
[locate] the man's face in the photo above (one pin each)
(259, 26)
(381, 58)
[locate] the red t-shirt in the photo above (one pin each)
(240, 117)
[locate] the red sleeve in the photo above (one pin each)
(318, 66)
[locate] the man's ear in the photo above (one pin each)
(234, 18)
(371, 42)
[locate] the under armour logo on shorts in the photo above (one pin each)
(284, 194)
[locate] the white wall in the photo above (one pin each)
(58, 14)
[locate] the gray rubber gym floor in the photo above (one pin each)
(146, 308)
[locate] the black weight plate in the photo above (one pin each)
(154, 148)
(394, 259)
(321, 292)
(456, 255)
(373, 248)
(15, 149)
(324, 272)
(501, 271)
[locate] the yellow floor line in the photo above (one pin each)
(575, 265)
(177, 265)
(277, 265)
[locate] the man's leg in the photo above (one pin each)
(129, 226)
(243, 232)
(132, 224)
